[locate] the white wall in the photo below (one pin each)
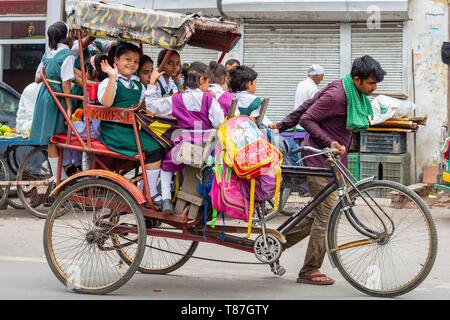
(426, 32)
(54, 13)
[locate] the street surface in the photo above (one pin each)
(24, 273)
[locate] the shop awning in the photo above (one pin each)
(313, 10)
(19, 7)
(297, 10)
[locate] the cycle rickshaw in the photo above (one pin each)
(101, 228)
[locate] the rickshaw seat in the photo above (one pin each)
(96, 147)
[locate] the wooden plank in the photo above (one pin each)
(180, 205)
(390, 130)
(198, 201)
(193, 211)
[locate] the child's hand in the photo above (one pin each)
(110, 71)
(155, 76)
(273, 126)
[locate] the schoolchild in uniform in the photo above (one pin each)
(120, 91)
(219, 85)
(145, 70)
(170, 82)
(59, 70)
(196, 108)
(243, 85)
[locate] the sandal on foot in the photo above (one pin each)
(316, 279)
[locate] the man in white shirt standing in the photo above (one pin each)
(307, 88)
(26, 108)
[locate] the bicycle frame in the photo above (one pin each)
(337, 183)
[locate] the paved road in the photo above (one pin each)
(24, 273)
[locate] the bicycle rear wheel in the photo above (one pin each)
(15, 156)
(36, 171)
(403, 256)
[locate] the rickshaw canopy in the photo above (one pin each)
(167, 30)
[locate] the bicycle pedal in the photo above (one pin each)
(277, 269)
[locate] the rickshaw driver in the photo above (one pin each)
(328, 123)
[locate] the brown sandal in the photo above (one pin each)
(310, 279)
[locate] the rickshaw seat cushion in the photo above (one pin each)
(96, 144)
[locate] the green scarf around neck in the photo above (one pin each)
(359, 107)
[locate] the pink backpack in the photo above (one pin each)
(226, 194)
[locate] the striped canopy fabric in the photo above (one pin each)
(157, 28)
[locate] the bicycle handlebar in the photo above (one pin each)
(314, 150)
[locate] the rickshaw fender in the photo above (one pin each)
(104, 174)
(359, 183)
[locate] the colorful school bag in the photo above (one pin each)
(226, 195)
(230, 195)
(246, 150)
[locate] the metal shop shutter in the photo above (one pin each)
(282, 53)
(386, 46)
(188, 54)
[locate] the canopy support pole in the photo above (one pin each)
(225, 50)
(166, 58)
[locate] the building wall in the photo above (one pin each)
(427, 30)
(54, 11)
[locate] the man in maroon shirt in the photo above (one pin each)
(324, 117)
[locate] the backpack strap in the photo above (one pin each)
(163, 91)
(252, 207)
(276, 198)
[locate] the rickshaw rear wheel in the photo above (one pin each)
(77, 242)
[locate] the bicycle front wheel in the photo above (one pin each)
(405, 252)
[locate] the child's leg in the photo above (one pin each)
(86, 161)
(166, 184)
(67, 158)
(153, 171)
(168, 167)
(76, 158)
(53, 158)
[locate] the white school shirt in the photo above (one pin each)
(245, 98)
(67, 66)
(124, 80)
(192, 99)
(217, 90)
(168, 86)
(306, 89)
(27, 103)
